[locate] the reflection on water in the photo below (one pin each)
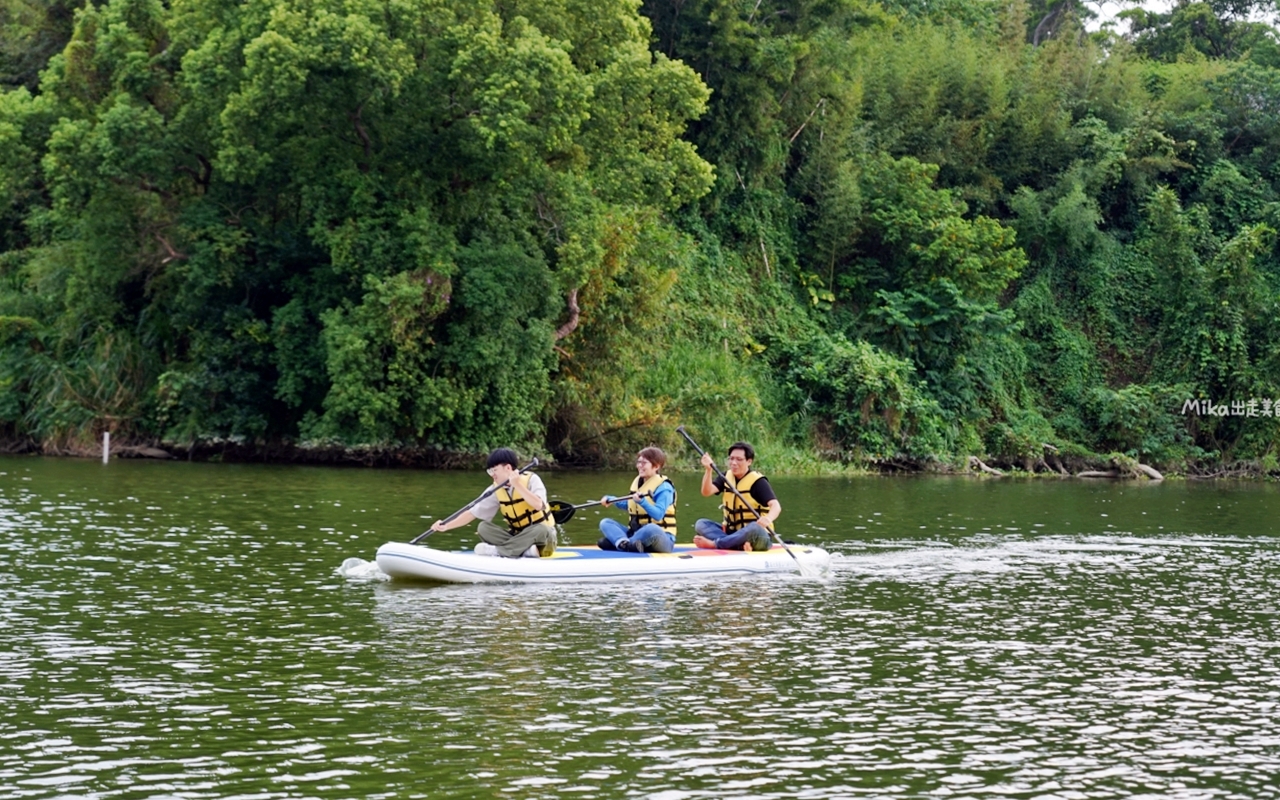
(183, 631)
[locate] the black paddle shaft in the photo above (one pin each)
(472, 504)
(562, 512)
(680, 430)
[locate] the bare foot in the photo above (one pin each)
(703, 542)
(746, 547)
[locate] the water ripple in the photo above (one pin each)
(156, 646)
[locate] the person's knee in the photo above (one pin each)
(662, 543)
(643, 538)
(708, 527)
(612, 529)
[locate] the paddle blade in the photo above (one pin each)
(561, 511)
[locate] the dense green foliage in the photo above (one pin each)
(866, 231)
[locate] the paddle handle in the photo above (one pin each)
(694, 444)
(533, 463)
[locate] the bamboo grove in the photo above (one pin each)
(853, 232)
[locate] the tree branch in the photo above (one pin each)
(364, 136)
(174, 255)
(201, 176)
(574, 313)
(1049, 24)
(806, 120)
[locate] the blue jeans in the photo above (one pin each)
(647, 538)
(755, 533)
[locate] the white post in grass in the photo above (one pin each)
(106, 446)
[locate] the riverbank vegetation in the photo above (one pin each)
(870, 234)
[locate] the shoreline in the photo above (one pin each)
(1100, 467)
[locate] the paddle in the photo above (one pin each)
(562, 512)
(469, 506)
(773, 533)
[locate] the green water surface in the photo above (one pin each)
(190, 631)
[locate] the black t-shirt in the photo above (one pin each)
(761, 491)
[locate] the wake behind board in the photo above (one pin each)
(587, 564)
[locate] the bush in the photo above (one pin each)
(860, 398)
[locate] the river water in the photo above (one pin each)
(173, 630)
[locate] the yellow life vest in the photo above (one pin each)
(518, 514)
(640, 517)
(736, 513)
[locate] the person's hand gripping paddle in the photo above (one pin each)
(470, 505)
(680, 430)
